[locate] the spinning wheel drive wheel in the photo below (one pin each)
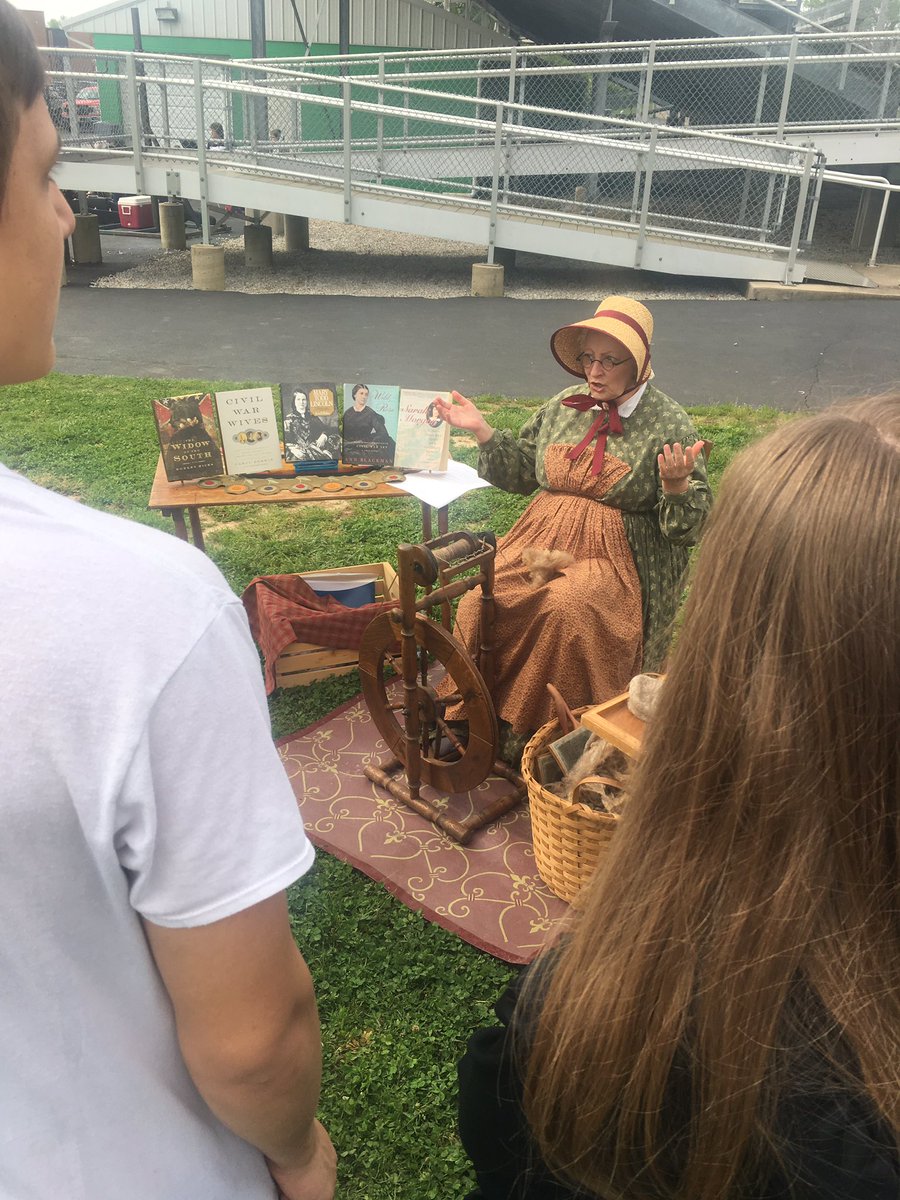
(447, 761)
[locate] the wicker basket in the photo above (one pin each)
(569, 838)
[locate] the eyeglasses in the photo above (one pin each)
(586, 360)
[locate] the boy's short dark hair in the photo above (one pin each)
(21, 81)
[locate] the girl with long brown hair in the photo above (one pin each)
(723, 1018)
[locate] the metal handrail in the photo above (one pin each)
(504, 125)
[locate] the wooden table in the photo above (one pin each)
(174, 499)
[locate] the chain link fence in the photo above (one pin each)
(489, 146)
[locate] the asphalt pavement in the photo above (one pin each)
(791, 355)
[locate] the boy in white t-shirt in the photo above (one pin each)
(158, 1026)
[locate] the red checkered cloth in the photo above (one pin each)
(284, 609)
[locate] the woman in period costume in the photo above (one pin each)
(622, 489)
(722, 1019)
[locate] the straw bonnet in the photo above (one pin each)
(628, 321)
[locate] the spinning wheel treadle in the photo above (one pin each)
(472, 760)
(428, 748)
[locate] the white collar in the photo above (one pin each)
(626, 409)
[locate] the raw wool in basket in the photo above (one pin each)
(542, 565)
(599, 757)
(643, 695)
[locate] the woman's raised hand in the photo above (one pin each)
(676, 465)
(463, 414)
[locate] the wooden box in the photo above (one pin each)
(305, 662)
(614, 721)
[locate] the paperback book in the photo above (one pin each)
(370, 424)
(312, 438)
(249, 429)
(423, 438)
(188, 437)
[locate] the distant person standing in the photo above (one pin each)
(216, 135)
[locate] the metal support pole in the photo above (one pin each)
(164, 105)
(648, 85)
(645, 203)
(139, 69)
(72, 117)
(495, 183)
(885, 89)
(258, 104)
(757, 119)
(343, 26)
(799, 216)
(200, 125)
(817, 193)
(510, 96)
(848, 47)
(406, 103)
(379, 136)
(134, 123)
(642, 83)
(347, 150)
(873, 259)
(786, 93)
(477, 112)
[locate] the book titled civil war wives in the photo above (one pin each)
(249, 430)
(187, 437)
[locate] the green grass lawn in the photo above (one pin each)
(398, 997)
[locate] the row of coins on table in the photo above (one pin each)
(241, 485)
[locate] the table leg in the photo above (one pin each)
(426, 522)
(444, 519)
(196, 529)
(177, 515)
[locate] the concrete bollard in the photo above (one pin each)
(296, 232)
(86, 239)
(275, 222)
(258, 246)
(208, 268)
(171, 225)
(487, 279)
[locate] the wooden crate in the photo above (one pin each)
(305, 662)
(615, 721)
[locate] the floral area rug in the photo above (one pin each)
(488, 892)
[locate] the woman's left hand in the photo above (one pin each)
(676, 466)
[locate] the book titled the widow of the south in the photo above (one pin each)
(186, 426)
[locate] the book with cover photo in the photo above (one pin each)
(423, 438)
(370, 424)
(187, 437)
(312, 436)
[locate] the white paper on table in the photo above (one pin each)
(438, 488)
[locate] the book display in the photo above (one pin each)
(370, 423)
(423, 438)
(311, 432)
(249, 428)
(188, 438)
(384, 426)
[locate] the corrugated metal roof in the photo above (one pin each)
(389, 23)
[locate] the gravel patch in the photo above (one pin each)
(349, 260)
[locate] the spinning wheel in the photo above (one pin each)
(470, 760)
(450, 756)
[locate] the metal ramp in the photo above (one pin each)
(456, 161)
(816, 271)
